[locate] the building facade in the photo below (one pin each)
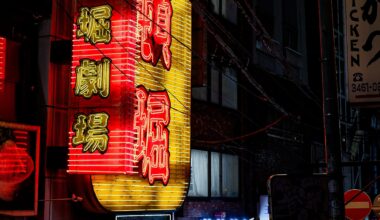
(256, 107)
(250, 69)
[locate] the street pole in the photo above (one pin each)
(330, 110)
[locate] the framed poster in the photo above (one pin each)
(19, 166)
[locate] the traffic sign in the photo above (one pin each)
(376, 205)
(357, 204)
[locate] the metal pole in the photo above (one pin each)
(330, 111)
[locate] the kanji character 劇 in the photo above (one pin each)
(93, 78)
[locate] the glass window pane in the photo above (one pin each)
(199, 93)
(214, 84)
(229, 10)
(229, 88)
(230, 175)
(199, 173)
(215, 6)
(215, 174)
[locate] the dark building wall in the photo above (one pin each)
(271, 139)
(265, 139)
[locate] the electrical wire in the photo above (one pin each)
(255, 132)
(277, 57)
(230, 51)
(258, 86)
(126, 50)
(362, 190)
(250, 79)
(121, 46)
(245, 135)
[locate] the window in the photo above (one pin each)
(290, 24)
(264, 11)
(199, 175)
(226, 8)
(220, 179)
(222, 87)
(229, 88)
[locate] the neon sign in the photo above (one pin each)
(93, 77)
(19, 169)
(2, 62)
(151, 121)
(148, 103)
(94, 24)
(154, 26)
(92, 132)
(101, 140)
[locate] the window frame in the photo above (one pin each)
(222, 11)
(209, 178)
(217, 77)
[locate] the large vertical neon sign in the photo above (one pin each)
(102, 88)
(147, 102)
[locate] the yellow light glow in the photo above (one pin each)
(132, 192)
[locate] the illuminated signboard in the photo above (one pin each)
(130, 113)
(363, 50)
(19, 166)
(2, 62)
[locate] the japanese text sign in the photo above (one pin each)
(130, 113)
(362, 50)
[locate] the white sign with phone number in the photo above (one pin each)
(363, 50)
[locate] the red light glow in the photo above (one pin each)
(2, 62)
(16, 165)
(118, 103)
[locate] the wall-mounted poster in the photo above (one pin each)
(19, 166)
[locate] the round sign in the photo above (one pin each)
(376, 205)
(357, 204)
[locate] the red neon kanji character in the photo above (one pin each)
(162, 32)
(151, 121)
(140, 123)
(154, 26)
(145, 27)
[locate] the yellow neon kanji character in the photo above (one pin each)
(79, 127)
(93, 78)
(93, 24)
(93, 133)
